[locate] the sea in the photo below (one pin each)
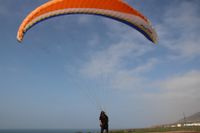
(49, 131)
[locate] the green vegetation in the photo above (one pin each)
(157, 129)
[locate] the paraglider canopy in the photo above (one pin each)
(114, 9)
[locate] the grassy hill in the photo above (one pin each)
(193, 118)
(166, 128)
(160, 130)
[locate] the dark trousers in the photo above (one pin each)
(104, 128)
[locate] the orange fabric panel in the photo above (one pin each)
(115, 5)
(55, 5)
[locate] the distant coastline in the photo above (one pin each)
(49, 130)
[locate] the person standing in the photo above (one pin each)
(103, 118)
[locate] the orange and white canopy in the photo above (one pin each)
(115, 9)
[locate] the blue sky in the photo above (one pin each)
(68, 67)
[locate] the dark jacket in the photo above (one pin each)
(104, 120)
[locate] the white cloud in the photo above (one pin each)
(111, 59)
(131, 79)
(126, 81)
(111, 62)
(179, 32)
(145, 67)
(169, 98)
(184, 15)
(182, 86)
(176, 95)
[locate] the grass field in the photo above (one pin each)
(160, 130)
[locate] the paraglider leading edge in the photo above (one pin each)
(114, 9)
